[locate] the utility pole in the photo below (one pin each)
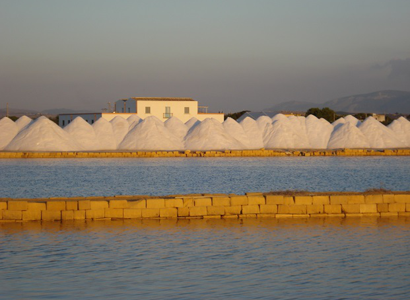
(7, 110)
(109, 107)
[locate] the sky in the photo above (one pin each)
(229, 55)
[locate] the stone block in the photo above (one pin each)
(351, 208)
(202, 202)
(397, 207)
(283, 216)
(333, 208)
(404, 214)
(346, 199)
(95, 214)
(169, 212)
(17, 205)
(216, 210)
(188, 202)
(314, 209)
(399, 198)
(303, 200)
(221, 201)
(266, 216)
(320, 200)
(36, 206)
(51, 215)
(3, 205)
(198, 211)
(71, 205)
(212, 217)
(373, 199)
(132, 213)
(183, 211)
(114, 213)
(174, 203)
(230, 217)
(288, 200)
(256, 200)
(354, 215)
(337, 215)
(388, 198)
(67, 215)
(250, 209)
(274, 199)
(407, 207)
(301, 215)
(292, 209)
(268, 209)
(56, 205)
(368, 208)
(98, 205)
(247, 216)
(137, 204)
(383, 207)
(156, 203)
(32, 215)
(84, 204)
(239, 200)
(118, 204)
(12, 214)
(79, 214)
(233, 210)
(318, 215)
(150, 212)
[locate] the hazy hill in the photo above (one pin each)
(28, 112)
(376, 102)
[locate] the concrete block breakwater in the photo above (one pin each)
(207, 206)
(226, 153)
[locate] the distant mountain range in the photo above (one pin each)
(387, 102)
(28, 112)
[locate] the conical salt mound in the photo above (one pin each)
(353, 120)
(318, 132)
(42, 135)
(262, 121)
(211, 135)
(8, 130)
(120, 128)
(378, 135)
(192, 122)
(338, 123)
(281, 135)
(299, 127)
(401, 127)
(105, 134)
(347, 135)
(133, 121)
(83, 134)
(151, 135)
(22, 122)
(278, 117)
(253, 132)
(235, 130)
(177, 127)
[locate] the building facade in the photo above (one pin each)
(162, 108)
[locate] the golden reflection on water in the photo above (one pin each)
(251, 224)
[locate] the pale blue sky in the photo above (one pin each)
(230, 55)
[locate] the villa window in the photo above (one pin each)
(147, 109)
(187, 110)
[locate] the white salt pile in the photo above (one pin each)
(151, 134)
(120, 128)
(378, 135)
(318, 132)
(42, 135)
(401, 127)
(8, 130)
(279, 132)
(177, 127)
(235, 130)
(347, 136)
(253, 132)
(211, 135)
(83, 134)
(105, 134)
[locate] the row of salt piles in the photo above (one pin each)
(279, 132)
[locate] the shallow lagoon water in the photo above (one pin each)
(207, 259)
(106, 177)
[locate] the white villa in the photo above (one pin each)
(162, 108)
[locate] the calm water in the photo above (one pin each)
(95, 177)
(199, 259)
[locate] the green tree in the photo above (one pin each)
(325, 113)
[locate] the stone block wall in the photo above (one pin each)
(251, 205)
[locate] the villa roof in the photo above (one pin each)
(161, 99)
